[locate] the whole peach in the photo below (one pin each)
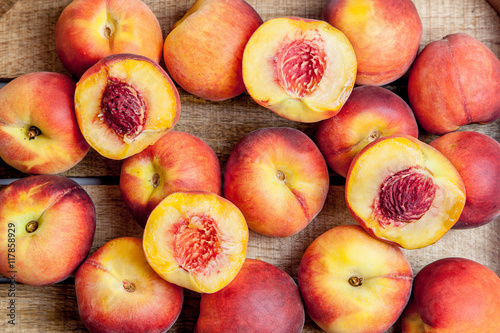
(370, 112)
(88, 31)
(454, 82)
(261, 298)
(385, 35)
(47, 226)
(476, 157)
(203, 50)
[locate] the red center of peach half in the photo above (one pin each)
(196, 240)
(403, 191)
(300, 65)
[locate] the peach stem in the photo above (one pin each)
(355, 281)
(31, 226)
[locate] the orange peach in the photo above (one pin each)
(352, 282)
(404, 191)
(370, 113)
(476, 157)
(203, 50)
(385, 35)
(47, 225)
(453, 295)
(196, 240)
(454, 82)
(125, 103)
(301, 69)
(178, 162)
(116, 289)
(88, 31)
(39, 133)
(261, 298)
(279, 180)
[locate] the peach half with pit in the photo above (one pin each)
(261, 298)
(39, 133)
(301, 69)
(453, 82)
(196, 240)
(385, 35)
(125, 103)
(453, 295)
(403, 191)
(88, 31)
(116, 289)
(370, 112)
(178, 162)
(278, 178)
(47, 225)
(204, 48)
(476, 156)
(353, 282)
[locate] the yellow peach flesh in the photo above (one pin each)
(168, 224)
(393, 154)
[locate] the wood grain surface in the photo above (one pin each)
(27, 45)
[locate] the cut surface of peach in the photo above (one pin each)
(125, 103)
(403, 191)
(301, 69)
(196, 240)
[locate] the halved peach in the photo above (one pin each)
(125, 103)
(404, 191)
(196, 240)
(301, 69)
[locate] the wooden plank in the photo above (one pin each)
(54, 308)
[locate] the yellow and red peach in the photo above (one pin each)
(125, 103)
(353, 282)
(47, 225)
(116, 289)
(454, 82)
(196, 240)
(88, 31)
(261, 298)
(39, 133)
(476, 157)
(301, 69)
(385, 35)
(370, 112)
(279, 180)
(453, 295)
(178, 162)
(203, 50)
(404, 191)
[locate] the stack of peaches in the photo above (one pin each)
(401, 192)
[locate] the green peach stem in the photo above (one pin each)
(355, 281)
(128, 286)
(33, 132)
(31, 226)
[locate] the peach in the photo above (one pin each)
(476, 157)
(453, 295)
(88, 31)
(261, 298)
(196, 240)
(204, 48)
(178, 162)
(39, 133)
(454, 82)
(352, 282)
(116, 289)
(279, 180)
(370, 112)
(385, 35)
(301, 69)
(125, 103)
(47, 225)
(403, 191)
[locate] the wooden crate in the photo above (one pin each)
(27, 45)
